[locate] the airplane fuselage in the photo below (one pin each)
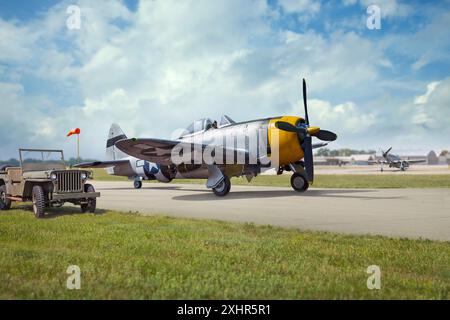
(257, 138)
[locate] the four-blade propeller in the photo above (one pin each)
(305, 132)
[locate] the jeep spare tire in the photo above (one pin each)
(5, 204)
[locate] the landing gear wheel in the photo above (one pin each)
(299, 182)
(5, 204)
(137, 184)
(91, 204)
(38, 202)
(223, 188)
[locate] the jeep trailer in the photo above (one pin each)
(44, 180)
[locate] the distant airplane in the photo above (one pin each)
(394, 161)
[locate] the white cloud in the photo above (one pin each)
(300, 6)
(432, 109)
(390, 8)
(430, 89)
(345, 117)
(349, 2)
(176, 61)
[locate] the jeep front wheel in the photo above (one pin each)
(91, 204)
(38, 201)
(5, 204)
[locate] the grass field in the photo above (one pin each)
(126, 256)
(327, 181)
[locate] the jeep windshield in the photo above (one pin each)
(42, 160)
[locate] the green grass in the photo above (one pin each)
(126, 256)
(358, 181)
(327, 181)
(101, 175)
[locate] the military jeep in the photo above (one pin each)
(44, 180)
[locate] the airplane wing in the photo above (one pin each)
(378, 161)
(160, 151)
(101, 164)
(319, 145)
(416, 161)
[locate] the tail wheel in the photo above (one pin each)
(223, 188)
(38, 201)
(91, 204)
(137, 184)
(5, 204)
(299, 182)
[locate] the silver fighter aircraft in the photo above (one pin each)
(394, 161)
(218, 151)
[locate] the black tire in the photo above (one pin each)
(5, 204)
(91, 204)
(38, 197)
(137, 184)
(299, 182)
(223, 188)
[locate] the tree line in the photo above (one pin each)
(325, 152)
(16, 163)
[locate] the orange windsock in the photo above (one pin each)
(74, 131)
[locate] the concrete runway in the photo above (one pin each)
(411, 213)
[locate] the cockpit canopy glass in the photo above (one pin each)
(198, 126)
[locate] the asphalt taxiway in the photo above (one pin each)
(411, 213)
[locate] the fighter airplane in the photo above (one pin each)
(394, 161)
(217, 152)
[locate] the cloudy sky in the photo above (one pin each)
(156, 65)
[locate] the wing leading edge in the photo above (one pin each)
(160, 151)
(101, 164)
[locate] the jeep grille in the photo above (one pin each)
(69, 181)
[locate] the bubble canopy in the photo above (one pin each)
(198, 126)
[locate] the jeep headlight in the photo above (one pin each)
(84, 176)
(54, 177)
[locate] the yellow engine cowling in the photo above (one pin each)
(289, 147)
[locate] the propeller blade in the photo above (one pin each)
(286, 126)
(308, 158)
(326, 135)
(305, 103)
(385, 153)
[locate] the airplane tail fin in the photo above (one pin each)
(115, 134)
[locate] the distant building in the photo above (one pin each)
(432, 158)
(327, 161)
(362, 159)
(444, 159)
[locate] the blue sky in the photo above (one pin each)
(155, 66)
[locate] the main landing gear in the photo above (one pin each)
(223, 188)
(299, 182)
(137, 184)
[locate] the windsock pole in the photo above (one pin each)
(78, 148)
